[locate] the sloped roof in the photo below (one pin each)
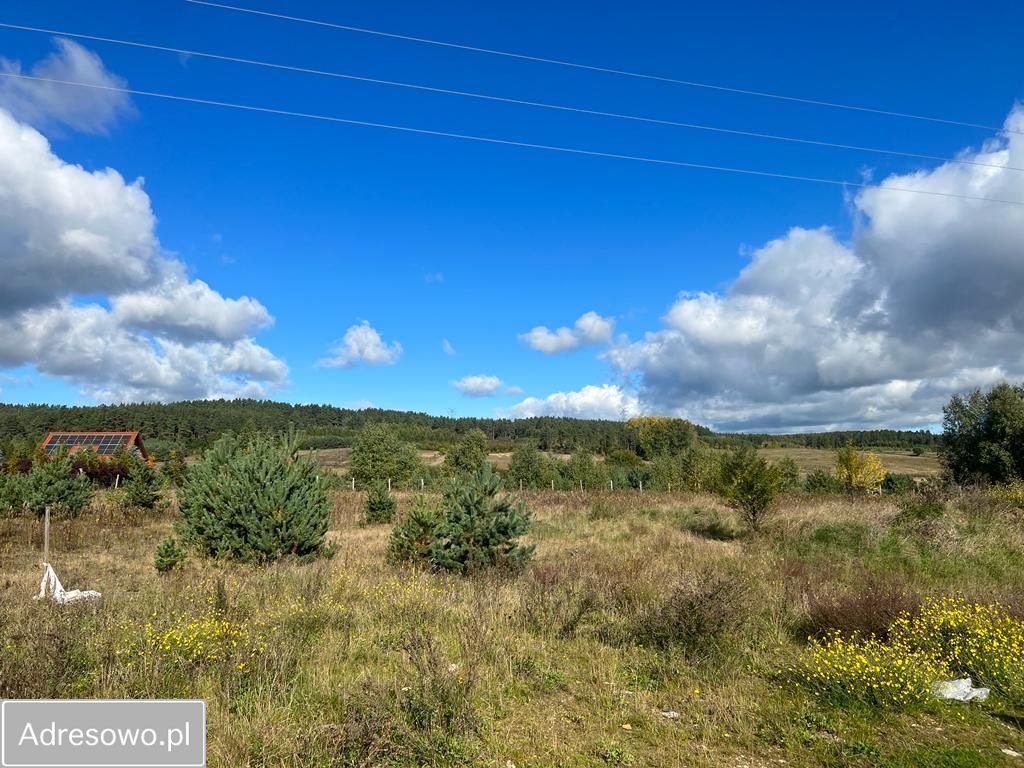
(103, 443)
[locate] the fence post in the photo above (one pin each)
(46, 536)
(520, 485)
(641, 486)
(611, 485)
(421, 483)
(552, 485)
(353, 483)
(389, 485)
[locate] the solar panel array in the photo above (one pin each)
(104, 444)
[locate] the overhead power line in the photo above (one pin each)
(503, 142)
(605, 70)
(505, 99)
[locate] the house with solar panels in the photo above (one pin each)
(103, 443)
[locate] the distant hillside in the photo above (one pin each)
(197, 423)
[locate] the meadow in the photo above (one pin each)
(649, 630)
(899, 462)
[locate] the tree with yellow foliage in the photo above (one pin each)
(859, 471)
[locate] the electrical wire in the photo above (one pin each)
(605, 70)
(504, 99)
(504, 142)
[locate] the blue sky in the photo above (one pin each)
(428, 238)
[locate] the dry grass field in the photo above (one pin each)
(649, 630)
(900, 462)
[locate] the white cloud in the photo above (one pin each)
(588, 330)
(86, 346)
(44, 104)
(478, 386)
(816, 333)
(359, 405)
(362, 344)
(64, 229)
(67, 233)
(447, 348)
(188, 309)
(606, 401)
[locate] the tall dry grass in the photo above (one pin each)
(634, 605)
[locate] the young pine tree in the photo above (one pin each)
(142, 486)
(479, 529)
(255, 501)
(54, 483)
(750, 484)
(380, 505)
(411, 539)
(175, 469)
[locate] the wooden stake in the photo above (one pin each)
(46, 536)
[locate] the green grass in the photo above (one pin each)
(632, 606)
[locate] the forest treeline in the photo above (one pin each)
(196, 424)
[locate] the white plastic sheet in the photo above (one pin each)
(959, 690)
(50, 587)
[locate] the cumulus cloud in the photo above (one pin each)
(64, 229)
(44, 104)
(588, 330)
(190, 309)
(818, 333)
(69, 236)
(605, 401)
(362, 344)
(478, 386)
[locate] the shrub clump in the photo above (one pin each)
(255, 501)
(888, 675)
(896, 483)
(823, 483)
(947, 637)
(982, 641)
(475, 528)
(696, 613)
(868, 611)
(380, 505)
